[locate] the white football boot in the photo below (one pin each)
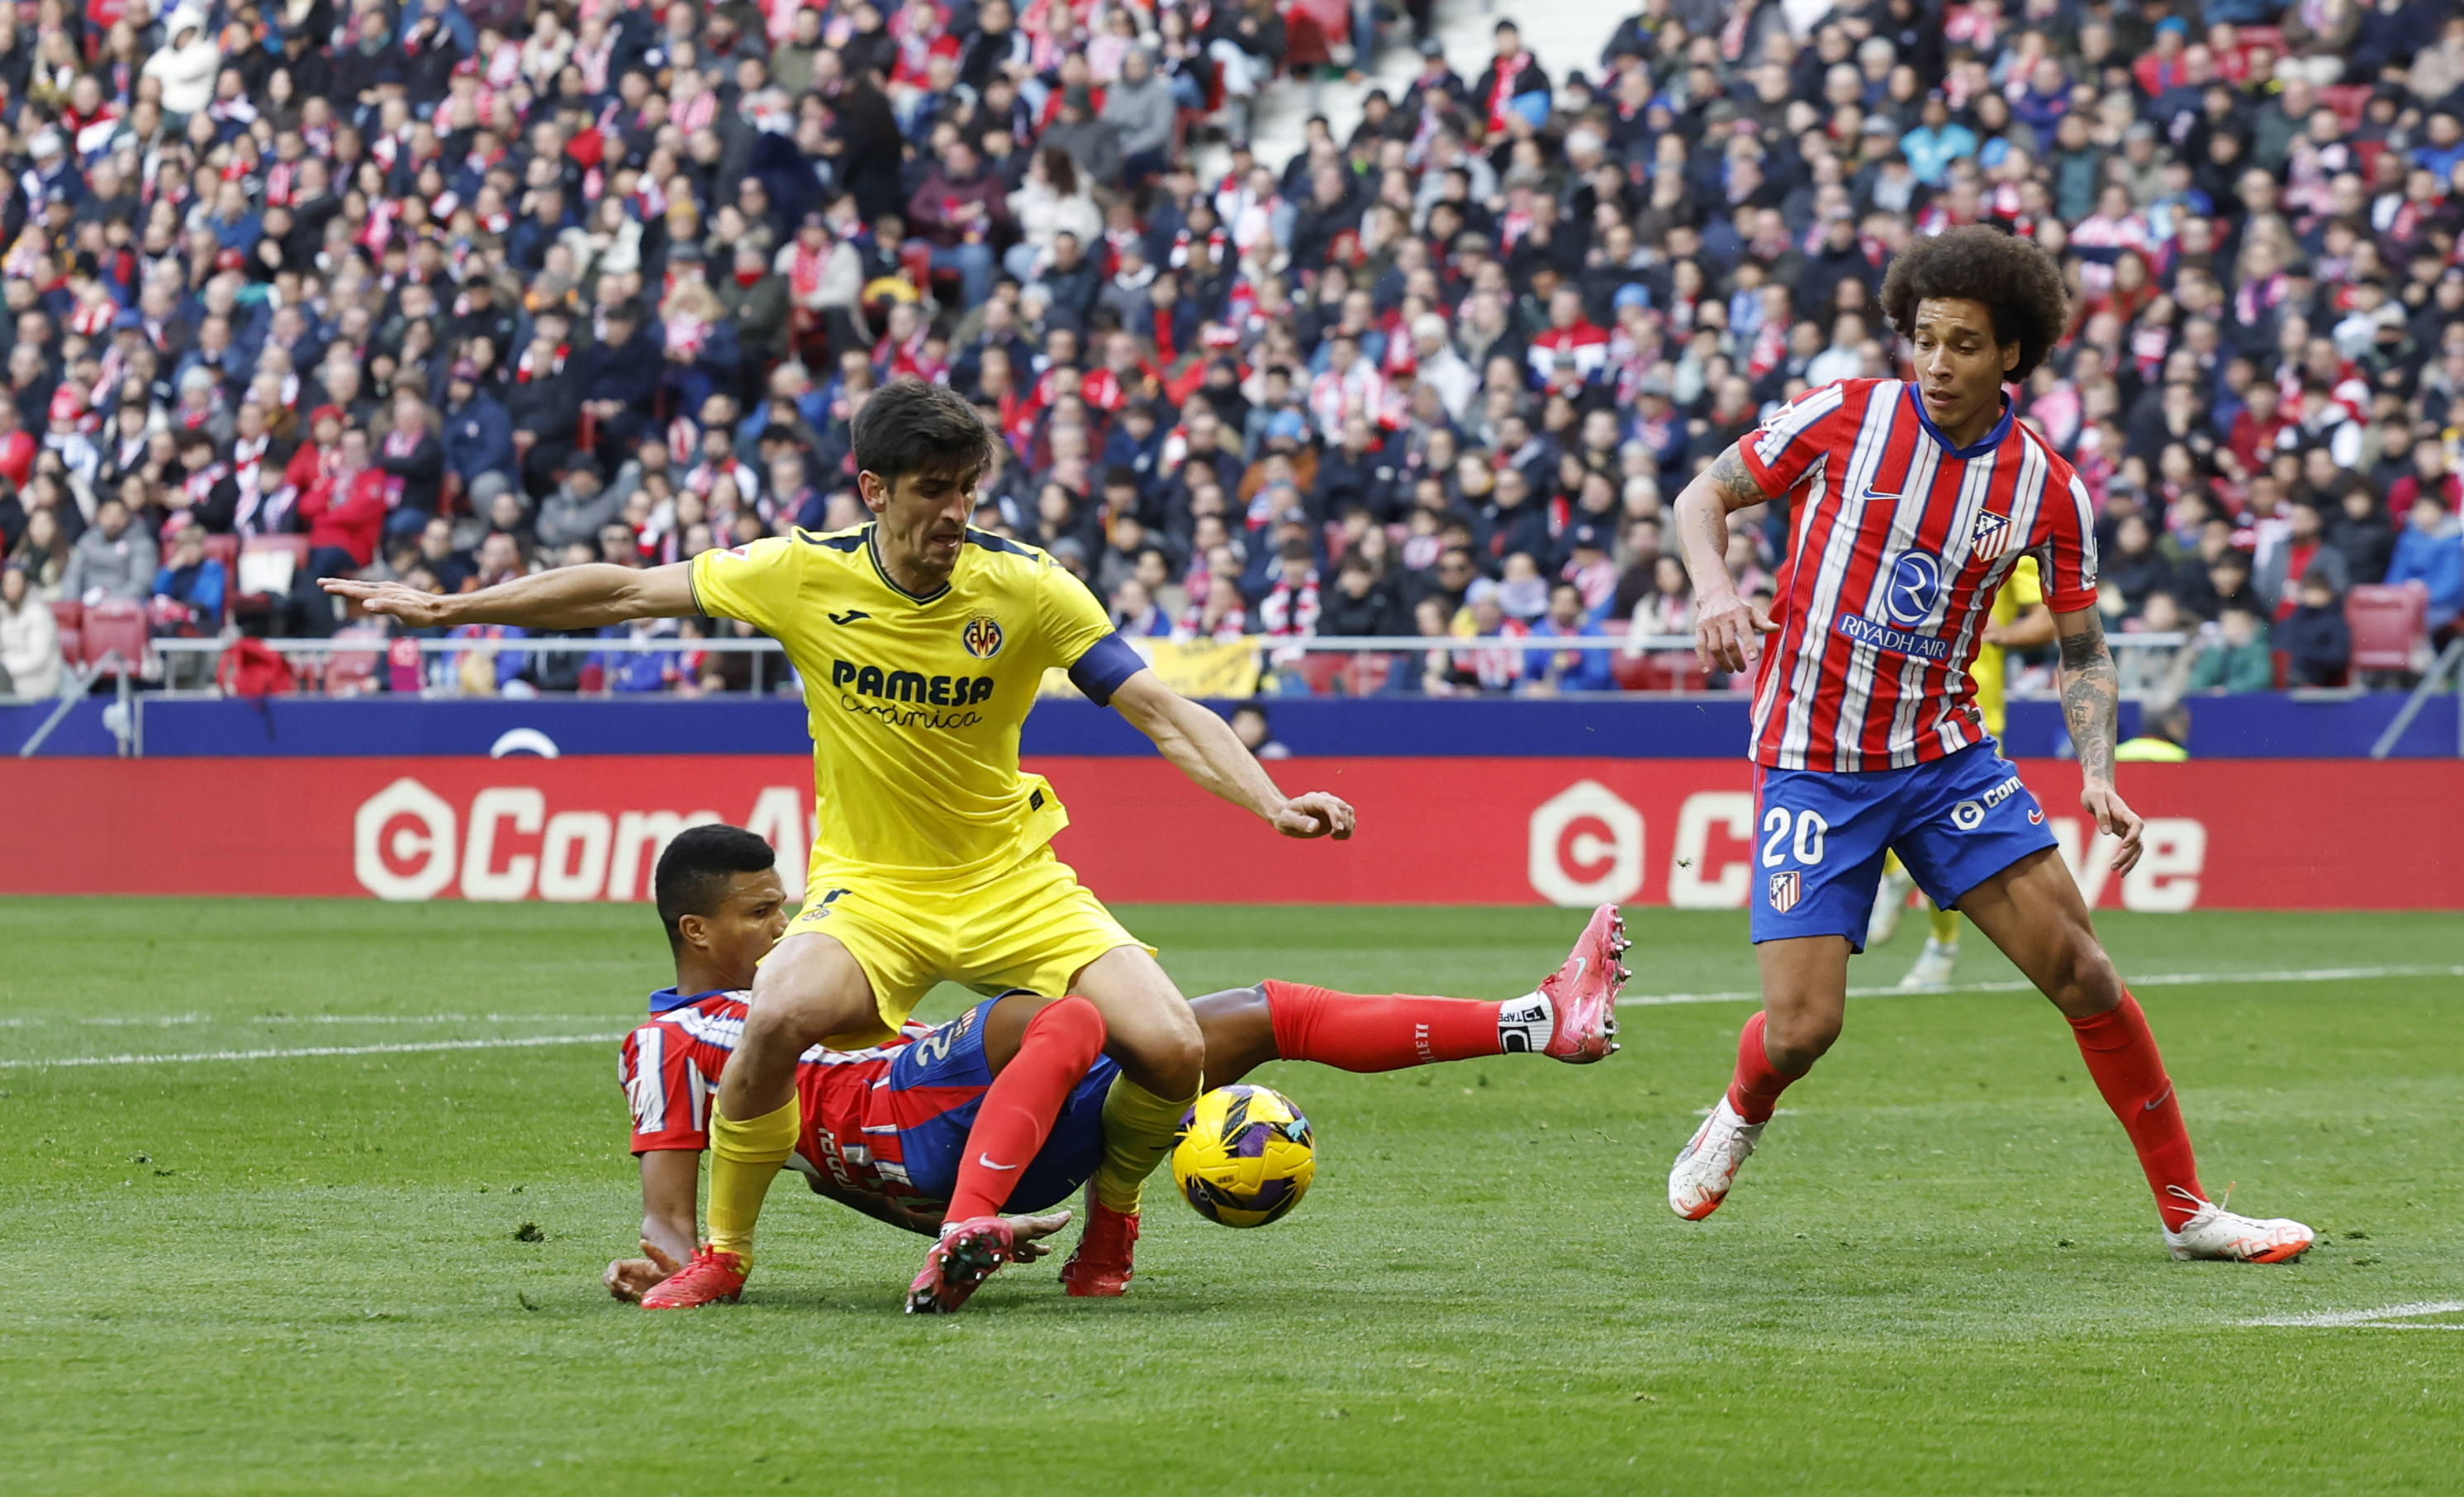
(1709, 1164)
(1890, 902)
(1934, 968)
(2220, 1235)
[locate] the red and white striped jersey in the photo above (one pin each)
(1901, 542)
(669, 1070)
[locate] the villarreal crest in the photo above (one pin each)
(982, 637)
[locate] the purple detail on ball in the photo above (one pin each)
(1252, 1142)
(1267, 1196)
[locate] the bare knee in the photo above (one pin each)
(1794, 1040)
(1174, 1062)
(2081, 981)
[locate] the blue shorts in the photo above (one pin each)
(937, 1083)
(1820, 838)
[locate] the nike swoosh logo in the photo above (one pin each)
(1581, 964)
(986, 1160)
(2159, 1102)
(849, 616)
(1878, 497)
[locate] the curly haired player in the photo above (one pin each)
(1914, 501)
(969, 1132)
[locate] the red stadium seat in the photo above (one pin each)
(1367, 673)
(2348, 101)
(114, 638)
(348, 671)
(72, 647)
(2390, 624)
(68, 614)
(1323, 670)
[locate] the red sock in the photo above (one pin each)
(1018, 1108)
(1350, 1031)
(1755, 1091)
(2121, 1055)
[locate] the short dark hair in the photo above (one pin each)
(694, 870)
(909, 427)
(2018, 282)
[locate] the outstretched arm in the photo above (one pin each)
(568, 597)
(1201, 746)
(1724, 625)
(2091, 704)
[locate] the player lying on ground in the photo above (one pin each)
(921, 645)
(968, 1131)
(1912, 502)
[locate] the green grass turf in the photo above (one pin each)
(1940, 1275)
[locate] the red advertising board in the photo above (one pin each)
(2223, 834)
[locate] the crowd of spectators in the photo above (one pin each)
(453, 290)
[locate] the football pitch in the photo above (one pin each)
(324, 1207)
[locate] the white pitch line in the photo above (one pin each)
(2370, 1318)
(527, 1042)
(2147, 979)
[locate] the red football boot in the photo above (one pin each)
(711, 1278)
(1100, 1265)
(965, 1256)
(1583, 993)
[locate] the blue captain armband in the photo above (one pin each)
(1107, 662)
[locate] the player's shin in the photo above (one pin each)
(2122, 1057)
(1352, 1031)
(744, 1158)
(1755, 1089)
(1139, 1129)
(1018, 1108)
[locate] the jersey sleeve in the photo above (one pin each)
(665, 1090)
(756, 583)
(1779, 451)
(2067, 557)
(1080, 635)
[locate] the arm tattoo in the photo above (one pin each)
(2091, 698)
(1736, 485)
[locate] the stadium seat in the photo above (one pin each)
(2348, 101)
(347, 672)
(68, 614)
(1367, 673)
(114, 638)
(1323, 670)
(2390, 624)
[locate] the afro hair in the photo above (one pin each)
(2018, 282)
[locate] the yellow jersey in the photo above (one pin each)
(2023, 589)
(915, 703)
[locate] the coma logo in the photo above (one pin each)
(1572, 861)
(1915, 583)
(403, 843)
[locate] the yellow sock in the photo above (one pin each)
(744, 1158)
(1139, 1129)
(1945, 923)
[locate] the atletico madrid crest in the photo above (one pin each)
(1990, 538)
(1785, 888)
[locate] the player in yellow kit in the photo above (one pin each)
(921, 643)
(2018, 621)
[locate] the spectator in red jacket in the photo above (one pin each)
(346, 513)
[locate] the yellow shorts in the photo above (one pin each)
(1031, 926)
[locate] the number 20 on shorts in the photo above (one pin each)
(1800, 832)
